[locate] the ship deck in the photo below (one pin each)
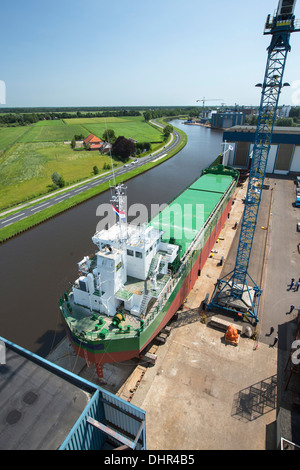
(136, 286)
(189, 211)
(82, 320)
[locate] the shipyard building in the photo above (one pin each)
(227, 119)
(284, 155)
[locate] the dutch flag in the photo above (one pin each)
(121, 214)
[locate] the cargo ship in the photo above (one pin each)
(139, 276)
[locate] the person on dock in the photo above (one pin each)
(271, 330)
(275, 341)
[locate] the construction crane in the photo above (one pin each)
(233, 292)
(204, 101)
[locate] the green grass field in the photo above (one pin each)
(27, 169)
(54, 133)
(50, 122)
(97, 120)
(139, 131)
(10, 135)
(134, 127)
(29, 155)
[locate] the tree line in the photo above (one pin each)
(24, 119)
(161, 112)
(27, 116)
(290, 121)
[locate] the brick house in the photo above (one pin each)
(94, 142)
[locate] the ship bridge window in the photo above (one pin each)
(138, 254)
(130, 252)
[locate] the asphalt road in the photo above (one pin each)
(80, 188)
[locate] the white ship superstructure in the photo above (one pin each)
(126, 255)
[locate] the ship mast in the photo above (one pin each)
(119, 203)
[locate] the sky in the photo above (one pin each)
(138, 53)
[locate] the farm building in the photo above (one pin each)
(106, 147)
(94, 142)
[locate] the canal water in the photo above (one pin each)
(37, 266)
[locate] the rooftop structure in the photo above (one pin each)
(94, 142)
(284, 153)
(45, 407)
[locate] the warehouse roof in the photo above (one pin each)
(276, 129)
(45, 407)
(37, 407)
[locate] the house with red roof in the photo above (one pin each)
(93, 142)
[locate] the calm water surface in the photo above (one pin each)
(37, 266)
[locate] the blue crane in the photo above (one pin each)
(237, 291)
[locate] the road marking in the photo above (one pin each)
(19, 215)
(160, 157)
(46, 203)
(4, 226)
(61, 197)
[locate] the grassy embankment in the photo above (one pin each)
(30, 155)
(56, 156)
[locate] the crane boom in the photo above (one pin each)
(213, 99)
(233, 290)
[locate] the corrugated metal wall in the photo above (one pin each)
(284, 157)
(118, 415)
(242, 153)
